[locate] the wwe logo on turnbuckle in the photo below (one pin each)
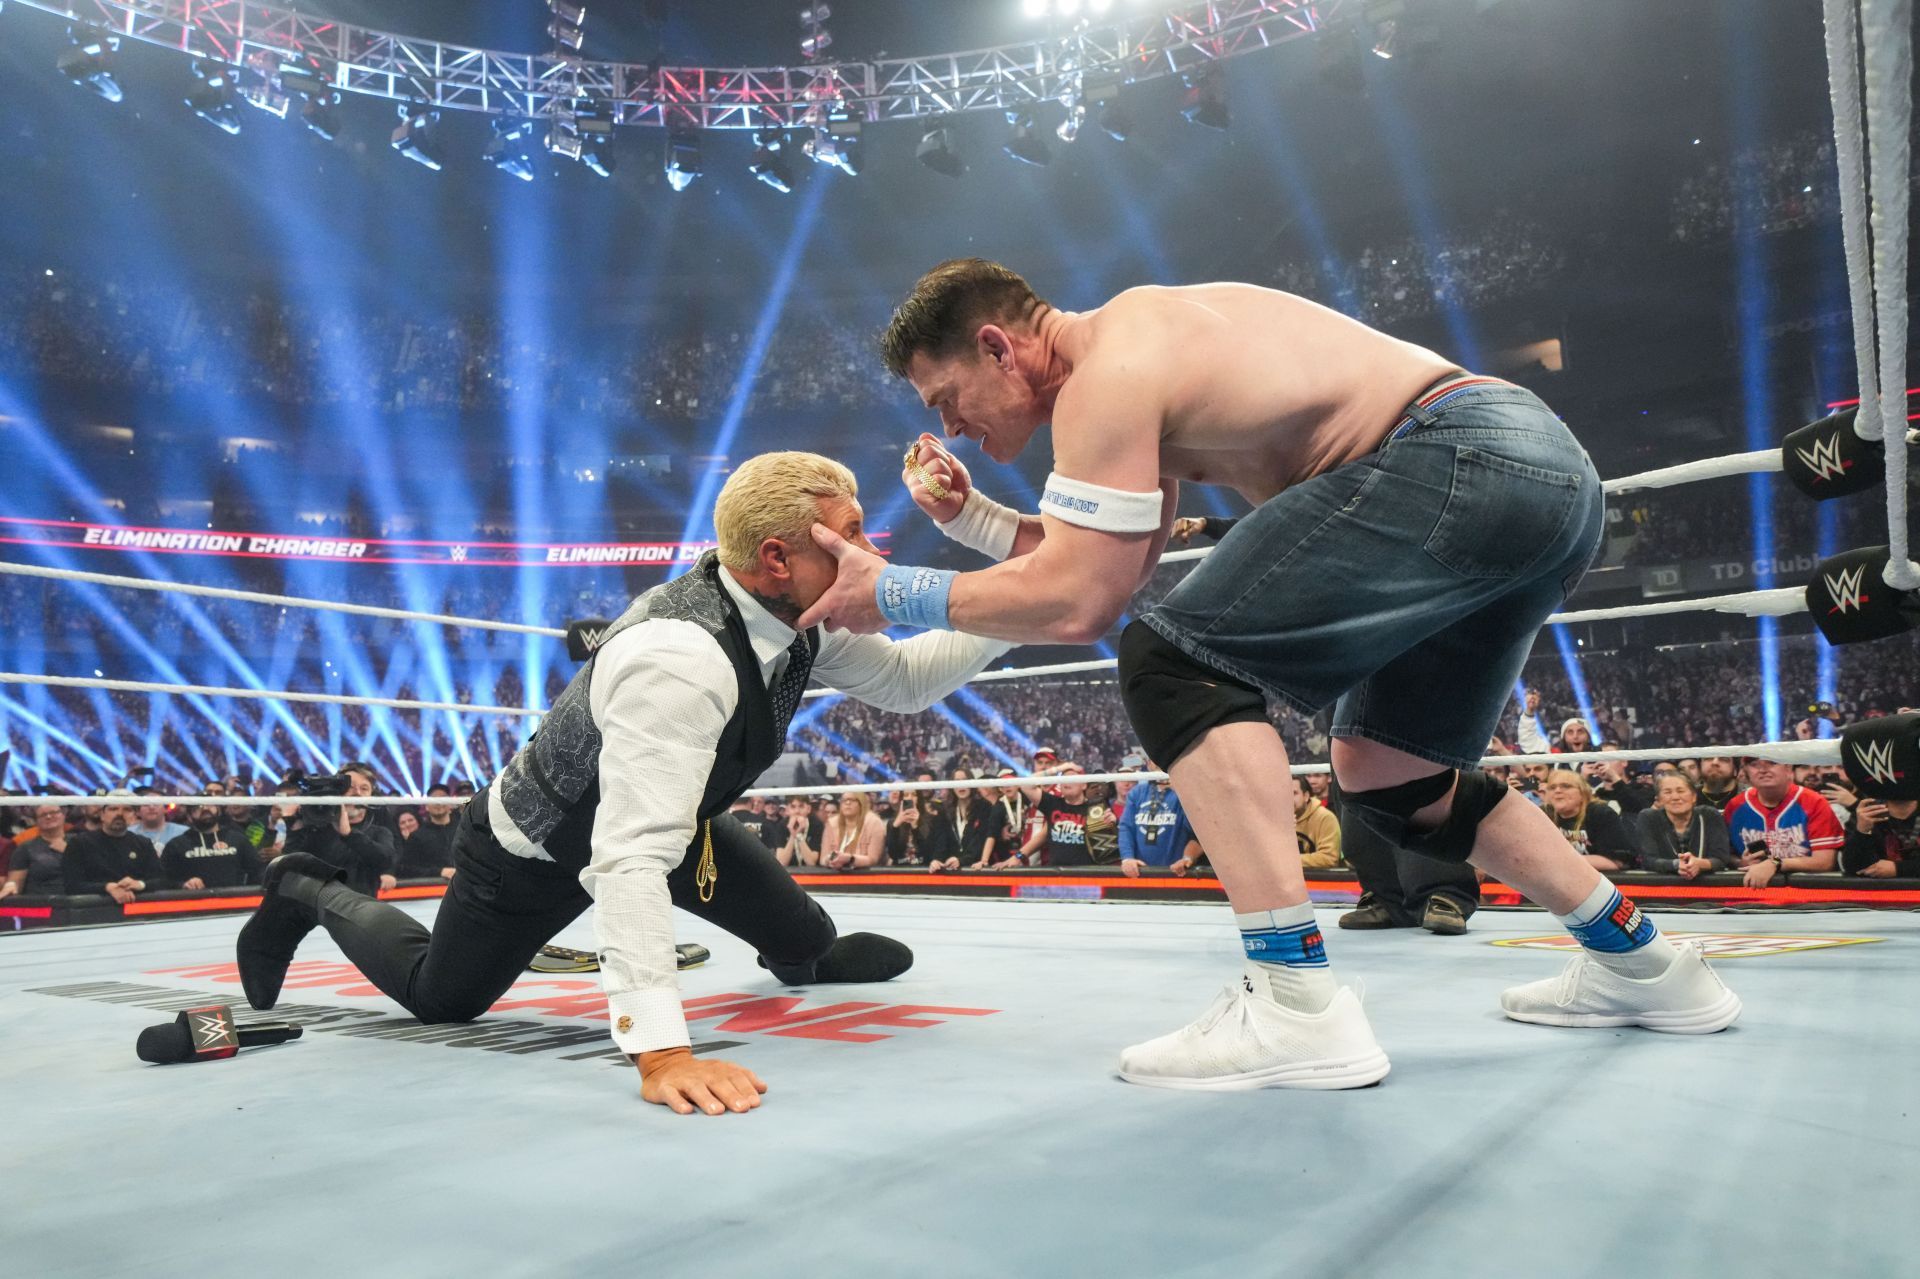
(1845, 589)
(1876, 761)
(1824, 458)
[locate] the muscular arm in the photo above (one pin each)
(1076, 582)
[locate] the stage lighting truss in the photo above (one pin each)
(89, 63)
(1014, 77)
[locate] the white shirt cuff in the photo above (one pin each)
(648, 1020)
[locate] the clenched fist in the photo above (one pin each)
(945, 470)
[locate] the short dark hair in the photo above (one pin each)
(439, 788)
(948, 305)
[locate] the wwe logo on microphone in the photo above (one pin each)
(1823, 459)
(1876, 761)
(1845, 589)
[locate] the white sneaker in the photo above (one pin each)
(1246, 1041)
(1688, 999)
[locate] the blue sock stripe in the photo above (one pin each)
(1619, 928)
(1301, 946)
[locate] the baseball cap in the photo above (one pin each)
(1133, 759)
(1048, 751)
(1008, 772)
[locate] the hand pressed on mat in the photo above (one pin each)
(675, 1078)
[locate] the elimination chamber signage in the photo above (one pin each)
(276, 546)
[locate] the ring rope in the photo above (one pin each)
(1886, 28)
(259, 694)
(283, 601)
(1849, 147)
(1817, 751)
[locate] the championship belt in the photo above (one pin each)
(561, 959)
(1103, 835)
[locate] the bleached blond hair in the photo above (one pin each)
(775, 495)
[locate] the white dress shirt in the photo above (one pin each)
(663, 691)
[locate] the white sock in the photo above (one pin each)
(1286, 947)
(1616, 934)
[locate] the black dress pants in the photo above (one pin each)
(501, 909)
(1404, 881)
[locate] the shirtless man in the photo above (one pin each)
(1413, 527)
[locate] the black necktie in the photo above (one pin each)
(791, 683)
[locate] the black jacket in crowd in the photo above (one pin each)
(220, 858)
(428, 851)
(367, 854)
(1891, 839)
(95, 859)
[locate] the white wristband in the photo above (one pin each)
(984, 525)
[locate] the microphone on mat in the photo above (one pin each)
(207, 1034)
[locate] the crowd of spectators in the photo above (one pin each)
(255, 344)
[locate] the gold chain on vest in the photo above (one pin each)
(705, 875)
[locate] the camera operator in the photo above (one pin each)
(213, 852)
(342, 834)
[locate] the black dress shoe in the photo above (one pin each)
(1373, 913)
(284, 917)
(1444, 916)
(857, 957)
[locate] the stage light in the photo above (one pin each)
(1383, 39)
(507, 148)
(414, 137)
(1070, 127)
(1102, 99)
(89, 63)
(938, 153)
(769, 166)
(596, 143)
(837, 142)
(816, 15)
(573, 15)
(814, 46)
(1206, 101)
(322, 115)
(1026, 145)
(683, 158)
(1034, 8)
(213, 100)
(566, 37)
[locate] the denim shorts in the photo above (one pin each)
(1407, 585)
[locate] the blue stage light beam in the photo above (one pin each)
(1752, 308)
(1576, 679)
(991, 713)
(974, 735)
(699, 524)
(1404, 149)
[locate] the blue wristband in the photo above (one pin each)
(910, 596)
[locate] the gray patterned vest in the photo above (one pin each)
(551, 787)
